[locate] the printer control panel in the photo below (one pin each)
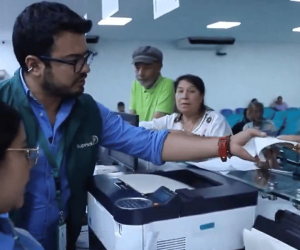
(162, 196)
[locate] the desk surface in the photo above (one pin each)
(283, 186)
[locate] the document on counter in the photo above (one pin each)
(256, 145)
(232, 164)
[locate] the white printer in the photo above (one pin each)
(188, 209)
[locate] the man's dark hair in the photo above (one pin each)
(257, 105)
(9, 127)
(121, 104)
(36, 27)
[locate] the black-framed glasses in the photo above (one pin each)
(77, 63)
(32, 154)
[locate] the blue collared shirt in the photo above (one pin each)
(40, 213)
(7, 237)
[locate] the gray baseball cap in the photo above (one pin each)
(147, 54)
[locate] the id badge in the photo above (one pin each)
(62, 236)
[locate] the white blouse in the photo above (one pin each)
(212, 124)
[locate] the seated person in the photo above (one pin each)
(237, 128)
(279, 105)
(256, 110)
(121, 107)
(15, 164)
(193, 116)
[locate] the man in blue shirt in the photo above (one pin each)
(50, 45)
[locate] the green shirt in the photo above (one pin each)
(159, 98)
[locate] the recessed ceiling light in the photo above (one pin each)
(296, 29)
(119, 21)
(223, 25)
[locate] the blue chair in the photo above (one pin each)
(291, 128)
(234, 119)
(280, 115)
(239, 111)
(278, 124)
(293, 115)
(292, 108)
(226, 112)
(269, 113)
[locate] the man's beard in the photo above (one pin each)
(55, 89)
(147, 84)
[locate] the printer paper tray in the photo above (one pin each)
(149, 183)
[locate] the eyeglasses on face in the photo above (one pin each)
(32, 154)
(77, 63)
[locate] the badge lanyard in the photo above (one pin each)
(55, 162)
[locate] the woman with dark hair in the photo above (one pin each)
(15, 164)
(192, 115)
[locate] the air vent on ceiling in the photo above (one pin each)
(172, 244)
(92, 39)
(205, 43)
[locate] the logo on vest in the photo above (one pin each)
(94, 141)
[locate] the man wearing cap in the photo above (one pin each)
(152, 95)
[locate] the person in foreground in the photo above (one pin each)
(16, 160)
(69, 126)
(192, 116)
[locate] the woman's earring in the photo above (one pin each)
(29, 69)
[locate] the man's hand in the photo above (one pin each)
(239, 140)
(295, 138)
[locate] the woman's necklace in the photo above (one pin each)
(193, 125)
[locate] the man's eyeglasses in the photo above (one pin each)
(32, 154)
(77, 63)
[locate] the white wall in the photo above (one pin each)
(248, 71)
(7, 58)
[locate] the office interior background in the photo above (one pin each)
(263, 63)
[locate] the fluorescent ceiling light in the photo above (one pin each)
(223, 25)
(119, 21)
(295, 0)
(296, 29)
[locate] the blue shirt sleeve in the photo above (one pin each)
(135, 141)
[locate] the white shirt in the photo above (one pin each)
(212, 124)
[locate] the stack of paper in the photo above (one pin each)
(102, 169)
(149, 183)
(256, 240)
(232, 164)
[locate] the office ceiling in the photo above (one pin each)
(269, 21)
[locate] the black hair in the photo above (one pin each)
(36, 27)
(198, 83)
(121, 104)
(254, 100)
(279, 97)
(257, 105)
(9, 127)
